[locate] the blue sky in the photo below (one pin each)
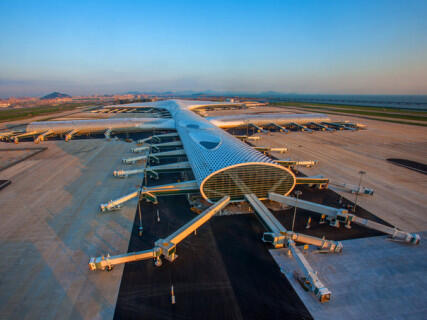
(333, 47)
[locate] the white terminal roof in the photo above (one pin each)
(221, 163)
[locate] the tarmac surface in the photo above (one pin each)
(373, 278)
(328, 198)
(11, 156)
(399, 194)
(223, 272)
(51, 225)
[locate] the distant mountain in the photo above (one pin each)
(55, 95)
(134, 92)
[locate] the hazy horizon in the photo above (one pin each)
(310, 47)
(208, 92)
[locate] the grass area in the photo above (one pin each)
(389, 120)
(351, 107)
(23, 113)
(373, 113)
(382, 114)
(401, 122)
(29, 112)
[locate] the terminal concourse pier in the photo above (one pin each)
(195, 213)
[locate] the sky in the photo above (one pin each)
(293, 46)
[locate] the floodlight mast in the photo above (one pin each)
(361, 173)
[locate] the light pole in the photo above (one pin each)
(140, 219)
(145, 170)
(147, 162)
(298, 193)
(361, 172)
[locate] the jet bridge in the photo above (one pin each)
(155, 156)
(352, 188)
(165, 154)
(281, 128)
(140, 149)
(151, 194)
(43, 136)
(107, 134)
(280, 237)
(162, 247)
(142, 141)
(301, 127)
(336, 216)
(271, 149)
(277, 232)
(69, 135)
(321, 127)
(158, 138)
(132, 160)
(244, 138)
(6, 136)
(294, 163)
(311, 281)
(339, 126)
(153, 171)
(259, 129)
(157, 146)
(23, 135)
(320, 181)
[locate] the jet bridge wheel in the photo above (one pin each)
(158, 262)
(302, 281)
